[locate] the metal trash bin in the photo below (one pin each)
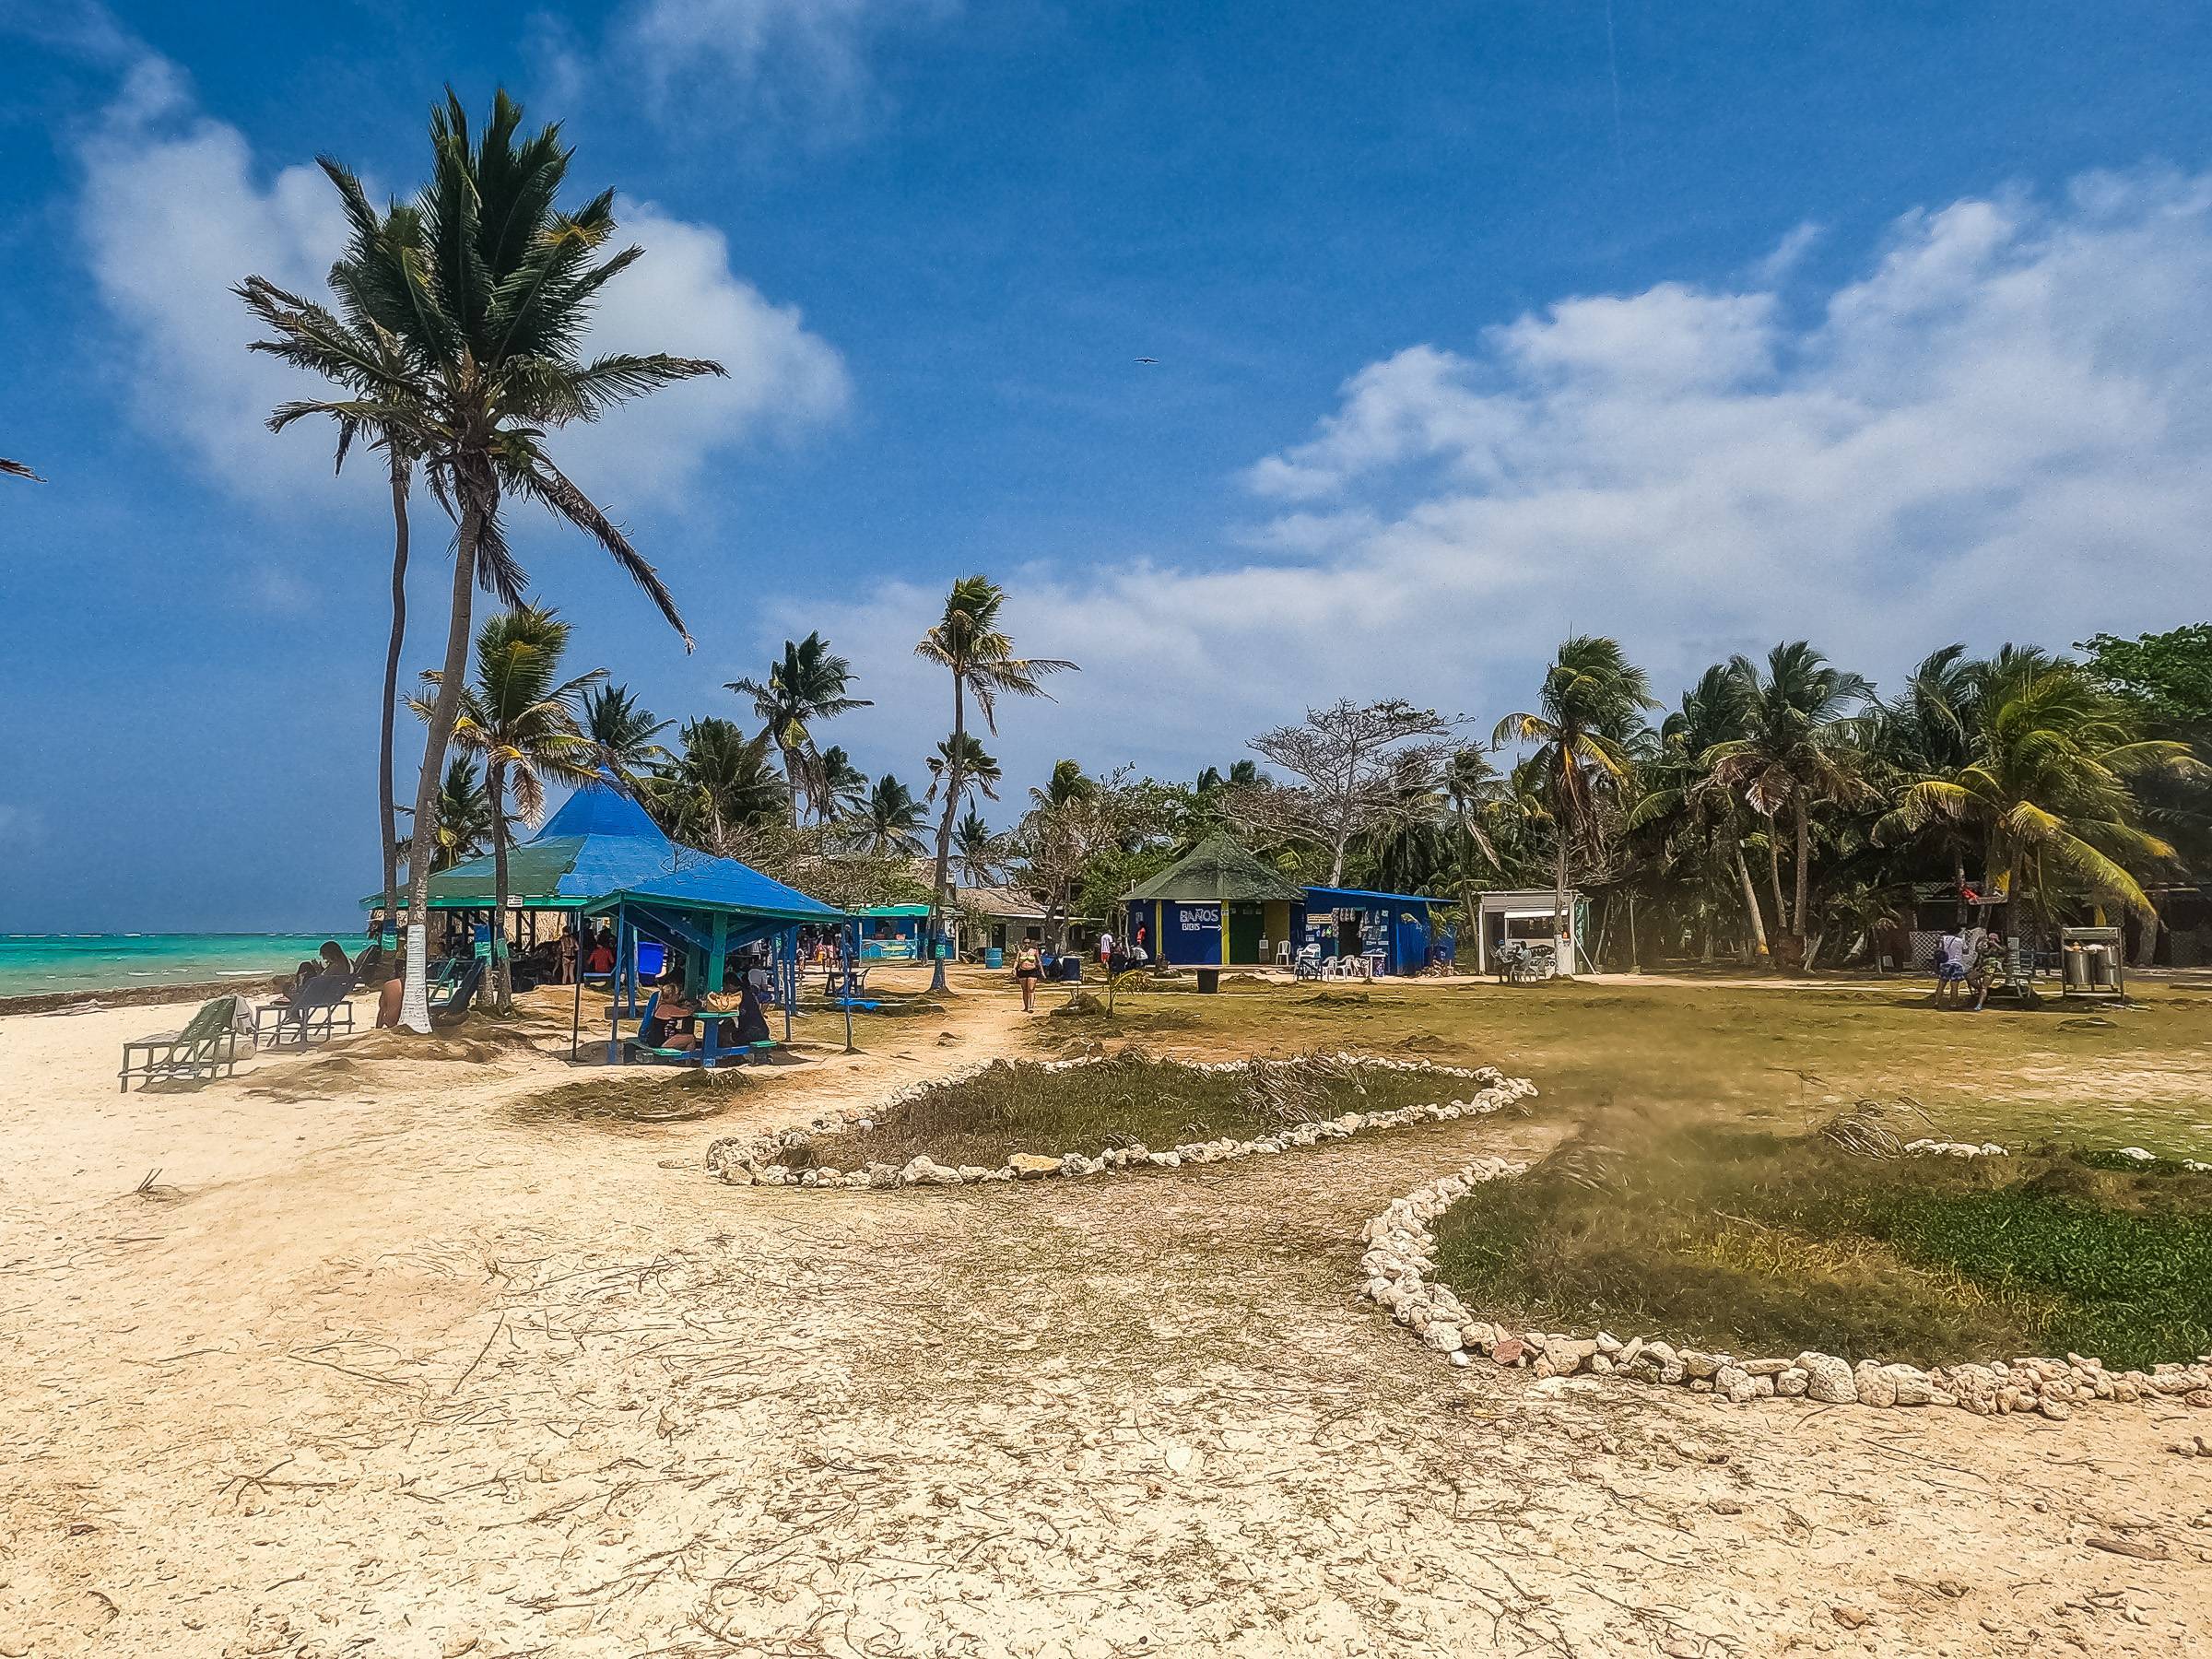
(1209, 981)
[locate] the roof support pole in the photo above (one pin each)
(574, 923)
(851, 949)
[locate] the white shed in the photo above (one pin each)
(1526, 914)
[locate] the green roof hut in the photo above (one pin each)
(1218, 906)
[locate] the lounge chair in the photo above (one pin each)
(451, 1008)
(209, 1041)
(310, 1014)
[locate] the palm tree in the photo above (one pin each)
(977, 852)
(1798, 749)
(463, 823)
(1068, 783)
(1685, 798)
(1590, 704)
(16, 469)
(2048, 783)
(968, 642)
(488, 287)
(807, 685)
(957, 765)
(367, 361)
(623, 731)
(891, 823)
(521, 718)
(844, 787)
(721, 780)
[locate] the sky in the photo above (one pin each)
(1476, 323)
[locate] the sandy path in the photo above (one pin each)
(512, 1386)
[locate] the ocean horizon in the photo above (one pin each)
(33, 964)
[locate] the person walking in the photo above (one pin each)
(1028, 966)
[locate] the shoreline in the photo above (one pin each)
(87, 1000)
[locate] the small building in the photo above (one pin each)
(1217, 906)
(1011, 916)
(1396, 932)
(892, 932)
(1525, 915)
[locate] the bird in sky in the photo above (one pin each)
(1148, 360)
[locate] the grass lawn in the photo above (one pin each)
(1764, 1244)
(1131, 1099)
(1765, 1057)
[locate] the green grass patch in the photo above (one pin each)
(1763, 1243)
(632, 1096)
(1129, 1099)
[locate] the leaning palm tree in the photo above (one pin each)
(807, 686)
(2048, 784)
(1799, 750)
(968, 642)
(464, 825)
(488, 287)
(891, 823)
(520, 716)
(1591, 700)
(625, 733)
(368, 363)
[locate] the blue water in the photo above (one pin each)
(35, 963)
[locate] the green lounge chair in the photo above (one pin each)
(209, 1042)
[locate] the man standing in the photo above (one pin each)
(1950, 967)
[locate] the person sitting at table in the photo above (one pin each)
(670, 1026)
(602, 957)
(745, 1020)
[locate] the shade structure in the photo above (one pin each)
(1216, 871)
(1215, 906)
(599, 842)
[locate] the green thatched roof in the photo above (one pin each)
(1217, 871)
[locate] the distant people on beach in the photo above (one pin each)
(1950, 967)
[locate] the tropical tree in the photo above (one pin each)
(488, 287)
(890, 824)
(463, 823)
(2048, 786)
(844, 787)
(1799, 750)
(721, 781)
(1590, 703)
(1683, 802)
(1357, 765)
(968, 642)
(977, 852)
(519, 717)
(625, 733)
(386, 403)
(807, 686)
(958, 764)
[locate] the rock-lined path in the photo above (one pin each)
(450, 1378)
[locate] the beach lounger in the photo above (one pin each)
(312, 1014)
(209, 1041)
(452, 1007)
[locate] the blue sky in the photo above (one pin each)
(1705, 325)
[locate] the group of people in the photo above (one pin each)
(1967, 959)
(679, 1016)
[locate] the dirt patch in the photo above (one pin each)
(627, 1101)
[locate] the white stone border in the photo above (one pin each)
(1400, 1264)
(757, 1161)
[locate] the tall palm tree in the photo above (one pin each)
(891, 823)
(977, 852)
(369, 363)
(1590, 703)
(2048, 783)
(520, 716)
(722, 781)
(967, 641)
(1799, 750)
(488, 287)
(1928, 729)
(844, 787)
(464, 825)
(956, 766)
(624, 732)
(807, 685)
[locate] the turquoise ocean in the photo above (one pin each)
(32, 964)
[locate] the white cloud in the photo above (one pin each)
(2000, 427)
(177, 208)
(801, 60)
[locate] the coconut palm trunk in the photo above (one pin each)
(502, 994)
(387, 821)
(938, 889)
(1750, 891)
(414, 1000)
(1800, 915)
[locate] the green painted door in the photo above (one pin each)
(1246, 923)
